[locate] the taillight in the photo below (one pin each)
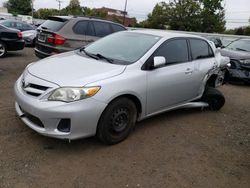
(59, 40)
(55, 39)
(20, 35)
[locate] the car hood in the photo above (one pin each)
(233, 54)
(71, 69)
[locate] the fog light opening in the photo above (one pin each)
(64, 125)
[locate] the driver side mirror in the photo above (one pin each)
(159, 61)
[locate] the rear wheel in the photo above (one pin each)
(214, 98)
(117, 121)
(3, 49)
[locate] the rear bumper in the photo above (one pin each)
(15, 45)
(41, 54)
(45, 50)
(29, 40)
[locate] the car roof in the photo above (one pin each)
(85, 18)
(164, 34)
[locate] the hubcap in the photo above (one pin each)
(2, 49)
(119, 120)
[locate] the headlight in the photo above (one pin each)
(245, 61)
(73, 94)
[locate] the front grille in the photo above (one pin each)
(33, 89)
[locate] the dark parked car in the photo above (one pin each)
(28, 31)
(15, 24)
(239, 53)
(10, 40)
(63, 33)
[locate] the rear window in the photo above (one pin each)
(53, 25)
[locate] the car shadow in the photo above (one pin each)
(93, 142)
(13, 54)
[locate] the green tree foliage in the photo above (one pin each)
(213, 16)
(187, 15)
(157, 19)
(93, 13)
(239, 31)
(74, 8)
(184, 15)
(19, 7)
(44, 13)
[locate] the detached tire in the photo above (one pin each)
(3, 49)
(117, 121)
(214, 98)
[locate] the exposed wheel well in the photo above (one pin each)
(134, 99)
(211, 81)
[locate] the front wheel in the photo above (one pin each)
(214, 98)
(3, 49)
(117, 121)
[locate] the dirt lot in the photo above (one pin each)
(184, 148)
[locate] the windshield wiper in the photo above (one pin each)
(240, 49)
(100, 56)
(89, 54)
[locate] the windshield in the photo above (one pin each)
(123, 47)
(240, 45)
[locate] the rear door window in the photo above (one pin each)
(200, 49)
(102, 29)
(84, 28)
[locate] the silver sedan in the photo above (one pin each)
(105, 88)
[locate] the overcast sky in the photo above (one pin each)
(237, 11)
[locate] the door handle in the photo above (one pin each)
(189, 71)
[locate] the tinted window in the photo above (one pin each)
(117, 28)
(84, 28)
(102, 29)
(53, 25)
(81, 27)
(175, 51)
(200, 49)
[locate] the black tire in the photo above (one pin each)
(117, 121)
(214, 98)
(3, 49)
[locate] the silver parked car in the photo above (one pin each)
(105, 88)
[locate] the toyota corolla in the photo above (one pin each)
(105, 88)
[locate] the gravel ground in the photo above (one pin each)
(183, 148)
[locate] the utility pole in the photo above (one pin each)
(32, 11)
(59, 4)
(125, 10)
